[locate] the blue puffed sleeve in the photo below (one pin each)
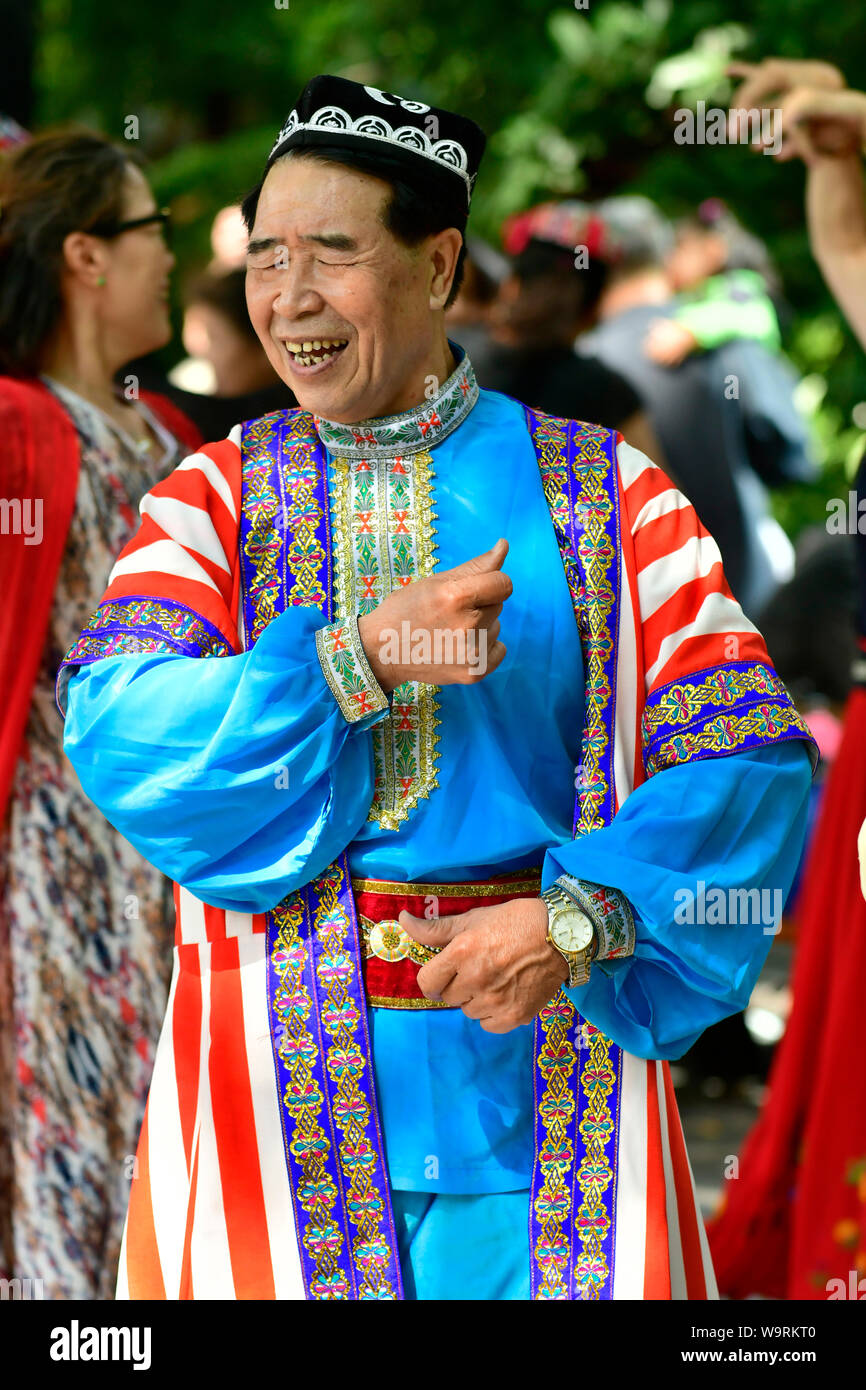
(728, 823)
(237, 776)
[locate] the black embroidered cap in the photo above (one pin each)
(334, 111)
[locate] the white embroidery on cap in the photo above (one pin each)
(449, 153)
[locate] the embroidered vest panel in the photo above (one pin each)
(384, 538)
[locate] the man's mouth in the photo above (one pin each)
(313, 352)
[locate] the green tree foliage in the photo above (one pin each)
(575, 99)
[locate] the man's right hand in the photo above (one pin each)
(467, 599)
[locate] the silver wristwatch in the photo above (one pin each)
(571, 932)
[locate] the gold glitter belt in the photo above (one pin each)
(392, 958)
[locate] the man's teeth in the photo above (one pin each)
(323, 347)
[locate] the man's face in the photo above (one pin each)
(343, 309)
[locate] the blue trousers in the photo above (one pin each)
(463, 1247)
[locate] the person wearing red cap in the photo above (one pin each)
(549, 297)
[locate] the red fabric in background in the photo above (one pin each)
(174, 420)
(39, 459)
(795, 1217)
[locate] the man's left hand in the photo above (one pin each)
(497, 964)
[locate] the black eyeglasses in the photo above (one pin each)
(113, 229)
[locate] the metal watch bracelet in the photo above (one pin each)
(608, 910)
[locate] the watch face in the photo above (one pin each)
(572, 930)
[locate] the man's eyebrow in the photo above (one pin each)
(337, 241)
(261, 244)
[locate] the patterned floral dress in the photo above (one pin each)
(85, 950)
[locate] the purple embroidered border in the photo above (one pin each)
(139, 623)
(285, 531)
(594, 804)
(719, 710)
(334, 1150)
(322, 1057)
(577, 1071)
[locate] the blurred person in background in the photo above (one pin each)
(703, 411)
(543, 303)
(794, 1224)
(725, 284)
(228, 240)
(85, 922)
(729, 301)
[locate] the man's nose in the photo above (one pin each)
(296, 294)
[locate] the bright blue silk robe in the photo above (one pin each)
(239, 778)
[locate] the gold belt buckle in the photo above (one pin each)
(389, 941)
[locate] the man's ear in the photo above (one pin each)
(85, 258)
(444, 251)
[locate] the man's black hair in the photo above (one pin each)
(418, 207)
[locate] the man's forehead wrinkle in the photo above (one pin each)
(307, 218)
(280, 226)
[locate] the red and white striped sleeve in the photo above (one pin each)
(186, 548)
(688, 616)
(704, 677)
(175, 585)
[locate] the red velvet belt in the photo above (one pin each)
(392, 959)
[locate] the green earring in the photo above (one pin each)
(101, 280)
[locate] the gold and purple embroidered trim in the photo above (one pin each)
(284, 520)
(129, 626)
(577, 1072)
(333, 1143)
(716, 711)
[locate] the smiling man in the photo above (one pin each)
(353, 327)
(428, 966)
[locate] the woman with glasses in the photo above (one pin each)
(84, 921)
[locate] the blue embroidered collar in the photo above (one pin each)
(412, 431)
